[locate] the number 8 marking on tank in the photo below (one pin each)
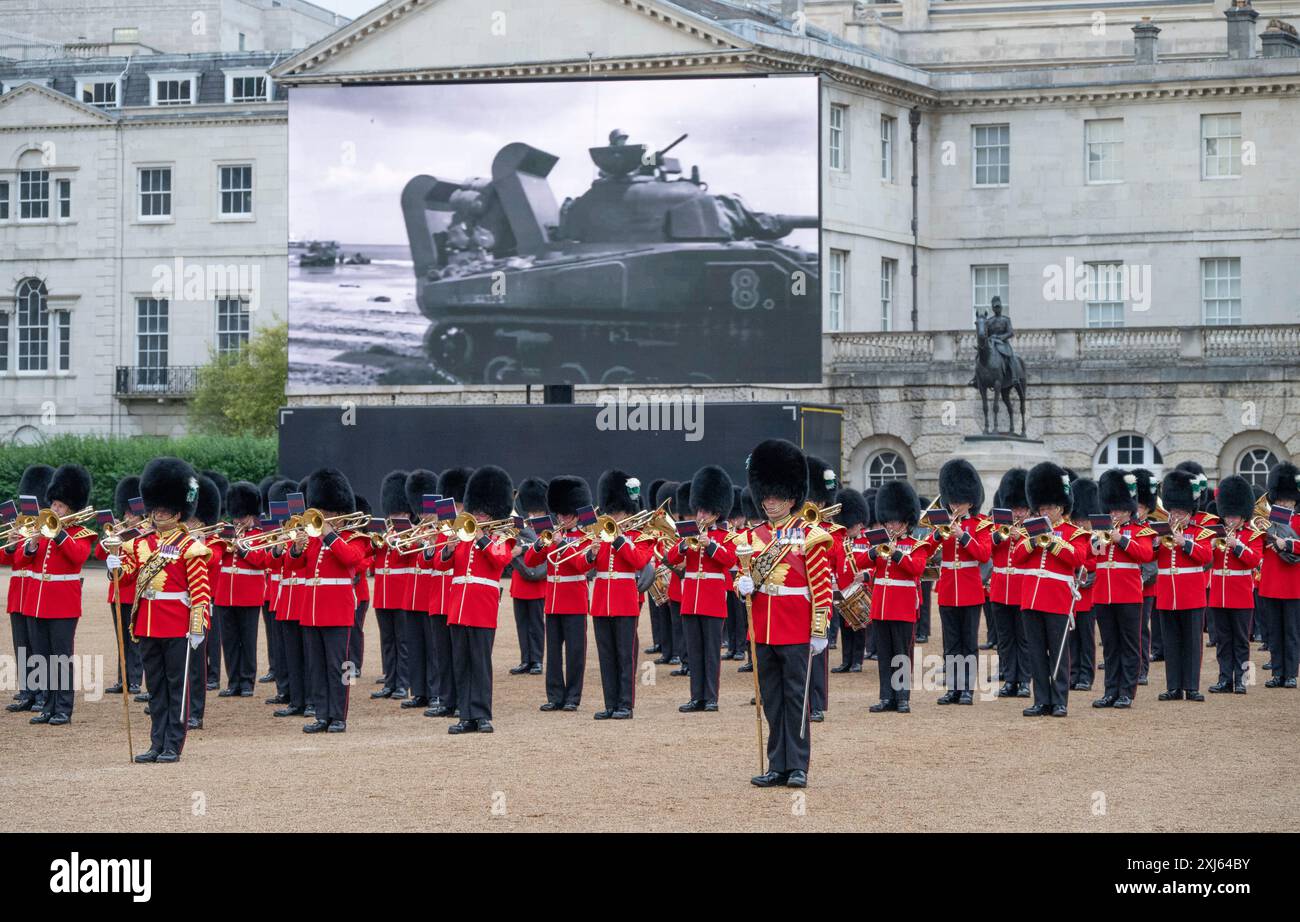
(745, 290)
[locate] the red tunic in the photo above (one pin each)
(180, 588)
(241, 581)
(521, 588)
(896, 585)
(1232, 571)
(327, 595)
(1047, 574)
(17, 579)
(1277, 578)
(1181, 580)
(566, 584)
(799, 590)
(614, 593)
(960, 582)
(55, 568)
(707, 576)
(394, 578)
(1119, 565)
(125, 581)
(474, 578)
(1004, 584)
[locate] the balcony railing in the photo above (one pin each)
(851, 352)
(143, 381)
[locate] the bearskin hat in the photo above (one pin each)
(776, 469)
(489, 491)
(243, 499)
(1011, 489)
(1235, 497)
(737, 508)
(532, 496)
(35, 482)
(392, 494)
(363, 504)
(127, 489)
(279, 491)
(853, 508)
(711, 491)
(566, 494)
(70, 485)
(682, 500)
(452, 483)
(896, 501)
(870, 497)
(1284, 482)
(418, 483)
(959, 482)
(667, 492)
(264, 488)
(618, 491)
(1146, 487)
(1084, 499)
(302, 486)
(1117, 491)
(648, 496)
(747, 506)
(222, 482)
(170, 484)
(329, 491)
(1178, 490)
(1201, 487)
(208, 508)
(1047, 484)
(823, 481)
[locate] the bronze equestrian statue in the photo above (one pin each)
(998, 367)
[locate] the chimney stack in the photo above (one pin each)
(1145, 34)
(1241, 30)
(1279, 40)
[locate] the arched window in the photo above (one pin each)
(33, 326)
(883, 466)
(1127, 450)
(1254, 464)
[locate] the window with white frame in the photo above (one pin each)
(987, 282)
(4, 201)
(1254, 464)
(232, 325)
(1127, 450)
(1221, 146)
(888, 131)
(65, 198)
(1105, 304)
(888, 271)
(4, 341)
(151, 342)
(839, 281)
(992, 154)
(155, 193)
(33, 195)
(1221, 291)
(174, 89)
(838, 146)
(105, 92)
(247, 87)
(1104, 144)
(882, 467)
(37, 328)
(236, 188)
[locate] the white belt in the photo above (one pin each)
(1005, 571)
(328, 581)
(618, 575)
(901, 583)
(1174, 571)
(701, 575)
(18, 574)
(56, 577)
(1116, 565)
(240, 571)
(396, 571)
(787, 590)
(292, 581)
(958, 564)
(1232, 572)
(155, 596)
(475, 580)
(578, 578)
(276, 577)
(1048, 574)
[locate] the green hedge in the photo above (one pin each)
(109, 459)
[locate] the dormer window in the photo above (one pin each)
(104, 92)
(174, 89)
(247, 86)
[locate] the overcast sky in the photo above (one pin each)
(349, 8)
(351, 150)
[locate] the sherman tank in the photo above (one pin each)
(647, 276)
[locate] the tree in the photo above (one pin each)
(241, 393)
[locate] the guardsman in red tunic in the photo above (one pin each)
(31, 490)
(677, 587)
(420, 655)
(239, 591)
(1235, 556)
(286, 613)
(1181, 589)
(327, 564)
(853, 560)
(1083, 639)
(207, 511)
(1120, 553)
(896, 568)
(1279, 582)
(443, 693)
(273, 564)
(961, 588)
(671, 642)
(705, 561)
(125, 492)
(566, 593)
(1203, 495)
(528, 584)
(361, 580)
(1004, 586)
(733, 632)
(53, 596)
(395, 571)
(1152, 647)
(615, 601)
(474, 563)
(1047, 565)
(789, 577)
(823, 482)
(173, 596)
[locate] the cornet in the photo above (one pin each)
(1227, 541)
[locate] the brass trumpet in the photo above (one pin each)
(1227, 541)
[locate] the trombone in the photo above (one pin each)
(313, 522)
(811, 514)
(49, 524)
(467, 528)
(21, 529)
(417, 537)
(266, 540)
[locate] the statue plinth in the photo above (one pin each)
(993, 455)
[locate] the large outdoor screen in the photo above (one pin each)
(630, 231)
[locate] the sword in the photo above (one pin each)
(807, 685)
(1069, 626)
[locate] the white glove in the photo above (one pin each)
(114, 562)
(818, 644)
(744, 585)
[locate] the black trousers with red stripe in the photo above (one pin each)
(782, 669)
(1083, 649)
(275, 651)
(471, 664)
(1232, 642)
(1183, 638)
(239, 643)
(530, 625)
(326, 653)
(616, 647)
(164, 663)
(1011, 643)
(442, 675)
(1045, 633)
(1120, 626)
(566, 658)
(20, 625)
